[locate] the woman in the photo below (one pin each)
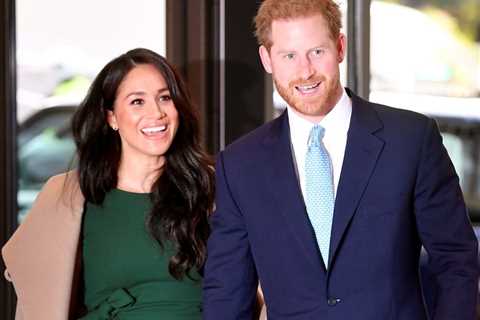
(136, 208)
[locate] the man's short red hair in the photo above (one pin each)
(271, 10)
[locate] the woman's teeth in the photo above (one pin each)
(152, 130)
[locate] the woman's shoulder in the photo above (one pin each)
(62, 190)
(60, 180)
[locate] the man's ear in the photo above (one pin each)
(341, 47)
(265, 57)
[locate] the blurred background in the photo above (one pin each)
(422, 55)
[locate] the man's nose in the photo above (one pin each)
(306, 68)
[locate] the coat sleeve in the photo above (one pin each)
(230, 281)
(18, 309)
(445, 231)
(40, 255)
(18, 312)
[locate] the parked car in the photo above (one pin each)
(45, 148)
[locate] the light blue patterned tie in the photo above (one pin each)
(319, 190)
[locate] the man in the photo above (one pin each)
(329, 204)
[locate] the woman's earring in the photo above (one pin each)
(115, 128)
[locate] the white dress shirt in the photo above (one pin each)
(336, 124)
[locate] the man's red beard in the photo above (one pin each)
(312, 106)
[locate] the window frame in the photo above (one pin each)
(8, 128)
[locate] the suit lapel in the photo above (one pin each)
(362, 151)
(287, 193)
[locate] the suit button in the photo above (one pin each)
(333, 301)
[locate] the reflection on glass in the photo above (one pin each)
(61, 45)
(425, 56)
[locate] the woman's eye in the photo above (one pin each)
(289, 56)
(165, 97)
(137, 102)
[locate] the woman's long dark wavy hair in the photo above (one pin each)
(182, 196)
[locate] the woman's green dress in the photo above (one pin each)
(125, 270)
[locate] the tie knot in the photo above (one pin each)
(316, 135)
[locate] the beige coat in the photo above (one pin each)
(41, 256)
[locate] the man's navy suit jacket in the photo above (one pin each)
(398, 191)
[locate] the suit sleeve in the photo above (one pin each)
(230, 279)
(445, 231)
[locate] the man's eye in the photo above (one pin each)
(317, 52)
(137, 102)
(289, 56)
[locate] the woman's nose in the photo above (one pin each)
(157, 110)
